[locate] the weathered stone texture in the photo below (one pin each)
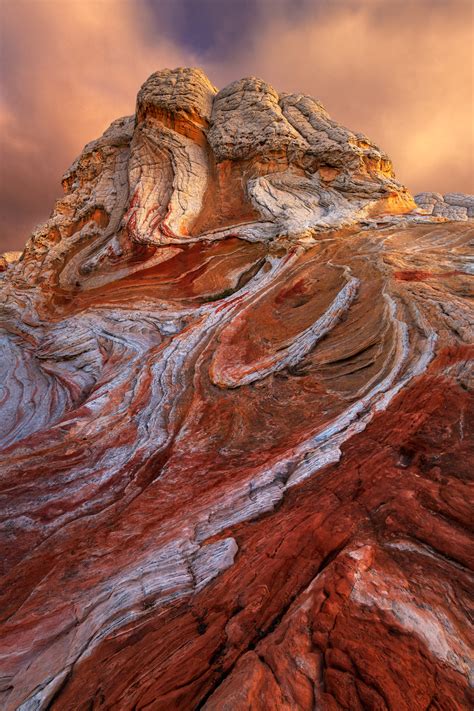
(236, 421)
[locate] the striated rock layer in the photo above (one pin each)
(236, 421)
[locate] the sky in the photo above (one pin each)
(401, 71)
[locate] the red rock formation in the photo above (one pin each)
(236, 420)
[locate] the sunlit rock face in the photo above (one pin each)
(236, 421)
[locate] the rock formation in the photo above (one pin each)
(454, 206)
(236, 421)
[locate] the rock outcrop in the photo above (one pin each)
(236, 420)
(454, 206)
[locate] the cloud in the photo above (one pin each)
(401, 72)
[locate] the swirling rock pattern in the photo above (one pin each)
(236, 421)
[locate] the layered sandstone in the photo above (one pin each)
(236, 420)
(454, 206)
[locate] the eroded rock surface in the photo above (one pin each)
(454, 206)
(236, 421)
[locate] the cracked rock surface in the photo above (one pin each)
(236, 421)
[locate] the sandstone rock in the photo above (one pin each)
(236, 421)
(8, 258)
(176, 91)
(452, 212)
(453, 206)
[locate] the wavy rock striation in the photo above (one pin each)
(236, 420)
